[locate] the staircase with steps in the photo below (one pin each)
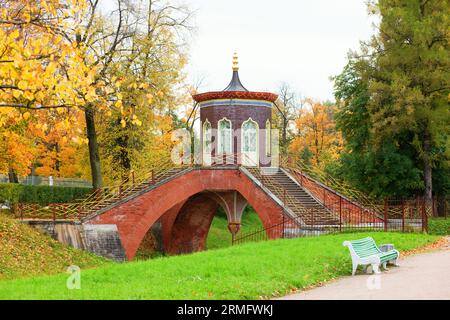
(298, 200)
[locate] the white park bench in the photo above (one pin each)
(366, 253)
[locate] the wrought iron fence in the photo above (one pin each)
(405, 215)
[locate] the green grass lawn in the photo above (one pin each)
(249, 271)
(220, 237)
(439, 226)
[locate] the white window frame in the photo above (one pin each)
(256, 136)
(206, 152)
(204, 136)
(268, 138)
(219, 138)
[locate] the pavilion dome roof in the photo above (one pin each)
(235, 90)
(235, 83)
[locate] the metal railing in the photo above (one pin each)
(357, 211)
(405, 215)
(294, 208)
(235, 159)
(99, 198)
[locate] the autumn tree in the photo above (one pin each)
(149, 76)
(62, 54)
(17, 149)
(316, 133)
(48, 142)
(136, 39)
(40, 68)
(59, 140)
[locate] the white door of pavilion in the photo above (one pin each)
(249, 144)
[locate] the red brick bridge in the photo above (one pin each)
(184, 201)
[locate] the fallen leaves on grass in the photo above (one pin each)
(26, 252)
(437, 245)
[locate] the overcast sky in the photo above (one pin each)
(302, 42)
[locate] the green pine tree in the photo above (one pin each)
(409, 78)
(380, 170)
(395, 100)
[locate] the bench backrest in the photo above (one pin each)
(363, 247)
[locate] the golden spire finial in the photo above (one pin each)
(235, 62)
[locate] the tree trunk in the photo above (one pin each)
(12, 176)
(123, 157)
(284, 136)
(427, 169)
(94, 156)
(57, 162)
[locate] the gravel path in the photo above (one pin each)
(421, 276)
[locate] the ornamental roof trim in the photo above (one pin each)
(247, 95)
(236, 102)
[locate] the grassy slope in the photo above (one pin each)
(220, 237)
(439, 226)
(248, 271)
(26, 252)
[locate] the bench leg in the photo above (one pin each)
(368, 268)
(385, 265)
(354, 267)
(375, 268)
(395, 261)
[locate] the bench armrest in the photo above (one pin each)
(386, 247)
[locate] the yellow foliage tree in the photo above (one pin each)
(46, 60)
(16, 148)
(60, 144)
(316, 139)
(60, 54)
(39, 68)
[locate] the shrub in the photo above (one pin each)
(13, 193)
(439, 226)
(9, 192)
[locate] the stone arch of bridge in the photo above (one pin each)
(135, 217)
(185, 227)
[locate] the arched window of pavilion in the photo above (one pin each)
(268, 137)
(225, 140)
(207, 142)
(250, 148)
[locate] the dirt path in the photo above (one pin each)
(421, 276)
